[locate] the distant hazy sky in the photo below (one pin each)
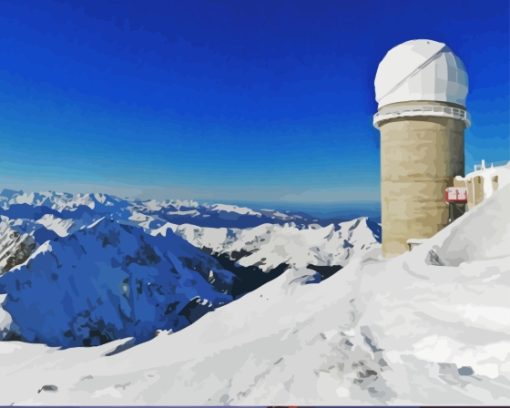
(237, 100)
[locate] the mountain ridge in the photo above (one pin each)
(54, 240)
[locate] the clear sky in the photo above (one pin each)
(247, 100)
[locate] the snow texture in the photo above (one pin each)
(428, 327)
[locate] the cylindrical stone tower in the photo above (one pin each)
(421, 88)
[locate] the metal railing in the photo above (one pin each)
(483, 165)
(425, 110)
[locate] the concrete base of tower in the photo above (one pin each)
(420, 156)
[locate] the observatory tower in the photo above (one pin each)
(421, 88)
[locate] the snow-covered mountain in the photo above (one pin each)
(428, 327)
(62, 201)
(268, 246)
(17, 204)
(68, 263)
(18, 240)
(215, 215)
(109, 281)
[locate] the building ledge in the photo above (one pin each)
(425, 110)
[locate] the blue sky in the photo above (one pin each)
(261, 101)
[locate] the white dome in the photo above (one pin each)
(421, 70)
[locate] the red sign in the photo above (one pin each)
(455, 195)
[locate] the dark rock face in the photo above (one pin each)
(324, 271)
(24, 246)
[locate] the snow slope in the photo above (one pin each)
(428, 327)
